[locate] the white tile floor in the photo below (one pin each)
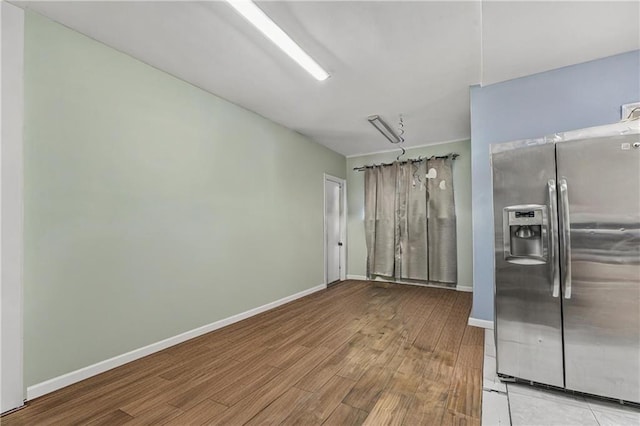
(495, 403)
(523, 405)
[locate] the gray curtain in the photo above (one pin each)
(385, 223)
(370, 189)
(411, 214)
(441, 222)
(410, 224)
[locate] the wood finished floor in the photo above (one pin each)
(357, 353)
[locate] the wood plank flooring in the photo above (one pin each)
(356, 353)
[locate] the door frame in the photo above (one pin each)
(343, 225)
(11, 204)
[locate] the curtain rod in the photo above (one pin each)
(452, 155)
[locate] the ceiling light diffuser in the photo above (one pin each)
(273, 32)
(384, 128)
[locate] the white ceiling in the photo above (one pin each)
(386, 58)
(523, 38)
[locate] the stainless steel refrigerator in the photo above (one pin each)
(567, 260)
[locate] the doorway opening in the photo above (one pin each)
(335, 247)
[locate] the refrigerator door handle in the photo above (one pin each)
(553, 214)
(566, 238)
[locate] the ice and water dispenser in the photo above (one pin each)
(525, 234)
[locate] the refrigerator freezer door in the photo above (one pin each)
(528, 319)
(602, 310)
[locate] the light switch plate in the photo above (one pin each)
(627, 109)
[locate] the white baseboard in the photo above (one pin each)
(357, 277)
(465, 288)
(481, 323)
(59, 382)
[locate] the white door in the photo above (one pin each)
(333, 243)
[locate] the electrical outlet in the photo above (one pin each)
(630, 111)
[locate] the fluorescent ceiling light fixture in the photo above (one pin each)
(384, 128)
(273, 32)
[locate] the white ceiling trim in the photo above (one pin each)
(407, 148)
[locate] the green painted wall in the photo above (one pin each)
(151, 206)
(356, 247)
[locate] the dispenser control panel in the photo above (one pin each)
(525, 217)
(525, 214)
